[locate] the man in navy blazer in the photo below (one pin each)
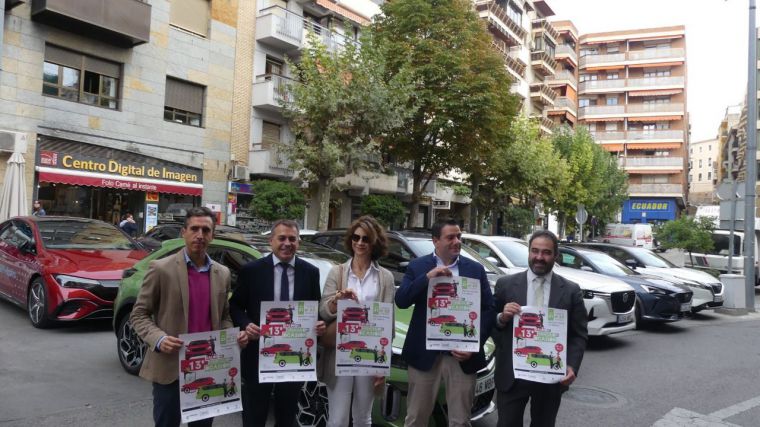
(427, 368)
(280, 276)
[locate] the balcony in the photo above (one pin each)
(269, 162)
(123, 23)
(279, 28)
(609, 136)
(271, 91)
(500, 23)
(545, 124)
(601, 110)
(332, 40)
(542, 62)
(649, 54)
(542, 26)
(671, 82)
(566, 51)
(655, 135)
(515, 64)
(651, 162)
(616, 85)
(566, 103)
(656, 109)
(542, 93)
(564, 77)
(589, 60)
(655, 190)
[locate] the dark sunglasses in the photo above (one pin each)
(355, 238)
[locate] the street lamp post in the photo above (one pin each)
(751, 167)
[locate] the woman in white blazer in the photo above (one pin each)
(362, 279)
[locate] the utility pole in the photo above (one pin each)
(751, 166)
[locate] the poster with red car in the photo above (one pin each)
(288, 342)
(209, 374)
(363, 338)
(539, 344)
(453, 315)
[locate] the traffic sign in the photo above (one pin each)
(581, 215)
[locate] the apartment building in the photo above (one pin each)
(119, 105)
(632, 98)
(565, 79)
(728, 143)
(703, 171)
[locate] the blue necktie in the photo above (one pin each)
(284, 286)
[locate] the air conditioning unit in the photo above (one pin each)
(240, 172)
(11, 142)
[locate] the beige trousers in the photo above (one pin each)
(423, 392)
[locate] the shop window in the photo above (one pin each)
(183, 102)
(80, 78)
(191, 15)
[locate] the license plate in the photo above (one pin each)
(718, 298)
(686, 306)
(484, 384)
(625, 318)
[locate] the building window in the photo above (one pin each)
(270, 135)
(709, 176)
(613, 76)
(613, 49)
(583, 102)
(611, 126)
(191, 15)
(183, 102)
(700, 177)
(700, 163)
(80, 78)
(274, 67)
(514, 14)
(612, 100)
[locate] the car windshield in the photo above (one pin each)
(651, 259)
(516, 252)
(425, 246)
(87, 235)
(608, 265)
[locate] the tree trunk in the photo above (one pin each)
(474, 208)
(323, 195)
(414, 207)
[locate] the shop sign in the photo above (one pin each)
(441, 204)
(151, 197)
(239, 187)
(81, 162)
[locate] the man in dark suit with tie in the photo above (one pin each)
(280, 276)
(538, 286)
(427, 368)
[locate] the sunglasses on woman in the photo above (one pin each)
(355, 238)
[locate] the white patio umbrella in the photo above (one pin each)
(13, 196)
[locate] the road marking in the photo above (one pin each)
(679, 417)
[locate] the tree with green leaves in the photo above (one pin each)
(688, 233)
(385, 208)
(462, 91)
(275, 200)
(339, 111)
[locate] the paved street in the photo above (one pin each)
(698, 372)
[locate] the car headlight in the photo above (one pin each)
(653, 290)
(76, 282)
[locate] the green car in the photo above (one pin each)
(389, 408)
(535, 360)
(359, 354)
(208, 391)
(456, 328)
(296, 357)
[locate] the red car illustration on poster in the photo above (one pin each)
(529, 349)
(439, 320)
(279, 315)
(199, 348)
(356, 314)
(273, 349)
(445, 289)
(195, 385)
(350, 345)
(531, 319)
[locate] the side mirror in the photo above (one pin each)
(631, 263)
(29, 247)
(493, 260)
(587, 268)
(402, 266)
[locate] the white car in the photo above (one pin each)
(707, 289)
(609, 302)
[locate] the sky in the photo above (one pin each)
(716, 45)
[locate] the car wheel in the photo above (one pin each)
(130, 346)
(533, 364)
(341, 348)
(306, 362)
(265, 353)
(358, 359)
(283, 363)
(204, 398)
(447, 333)
(37, 304)
(696, 310)
(312, 405)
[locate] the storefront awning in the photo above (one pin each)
(654, 118)
(73, 177)
(605, 67)
(661, 92)
(613, 147)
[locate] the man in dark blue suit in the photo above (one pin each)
(427, 368)
(280, 276)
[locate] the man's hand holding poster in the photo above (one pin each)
(363, 338)
(287, 346)
(539, 344)
(453, 314)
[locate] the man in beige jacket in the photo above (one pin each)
(183, 293)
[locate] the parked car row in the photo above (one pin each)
(65, 269)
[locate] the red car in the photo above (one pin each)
(63, 269)
(529, 349)
(356, 314)
(530, 319)
(199, 348)
(350, 345)
(446, 318)
(278, 315)
(195, 385)
(273, 349)
(444, 289)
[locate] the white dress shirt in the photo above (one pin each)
(368, 287)
(278, 277)
(453, 267)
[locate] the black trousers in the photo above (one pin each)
(256, 398)
(544, 404)
(166, 412)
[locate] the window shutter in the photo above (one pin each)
(184, 95)
(270, 135)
